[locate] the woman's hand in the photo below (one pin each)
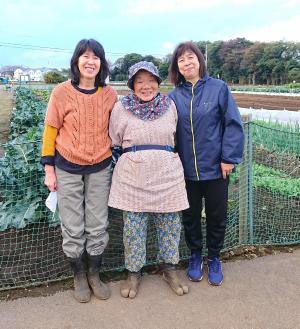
(226, 169)
(50, 178)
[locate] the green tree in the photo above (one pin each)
(292, 61)
(271, 58)
(249, 64)
(129, 60)
(54, 77)
(278, 73)
(294, 74)
(164, 70)
(66, 73)
(232, 53)
(116, 72)
(154, 60)
(214, 62)
(121, 66)
(202, 45)
(278, 59)
(236, 61)
(265, 67)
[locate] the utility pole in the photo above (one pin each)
(206, 56)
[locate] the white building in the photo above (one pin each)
(18, 73)
(34, 75)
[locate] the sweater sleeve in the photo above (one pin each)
(233, 134)
(116, 125)
(55, 113)
(174, 110)
(112, 98)
(48, 145)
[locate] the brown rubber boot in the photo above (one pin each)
(82, 291)
(99, 288)
(130, 287)
(171, 277)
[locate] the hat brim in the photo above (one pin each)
(130, 81)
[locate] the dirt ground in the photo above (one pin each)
(6, 105)
(269, 102)
(236, 254)
(255, 101)
(262, 293)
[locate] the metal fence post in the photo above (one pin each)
(245, 190)
(250, 178)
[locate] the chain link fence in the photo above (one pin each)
(263, 205)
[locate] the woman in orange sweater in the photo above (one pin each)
(76, 155)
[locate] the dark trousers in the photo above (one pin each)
(215, 194)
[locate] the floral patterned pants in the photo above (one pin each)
(168, 228)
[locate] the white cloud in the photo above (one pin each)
(39, 15)
(281, 30)
(45, 58)
(92, 6)
(168, 46)
(145, 7)
(290, 4)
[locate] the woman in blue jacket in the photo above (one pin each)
(210, 142)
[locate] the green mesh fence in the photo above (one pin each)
(276, 184)
(263, 206)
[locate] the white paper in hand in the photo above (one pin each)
(51, 201)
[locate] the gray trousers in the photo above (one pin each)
(83, 210)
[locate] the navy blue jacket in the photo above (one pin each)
(209, 129)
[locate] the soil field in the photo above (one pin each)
(6, 105)
(269, 102)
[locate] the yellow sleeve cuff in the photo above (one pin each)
(49, 137)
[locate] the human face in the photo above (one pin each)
(89, 65)
(145, 86)
(188, 65)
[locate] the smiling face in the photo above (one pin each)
(89, 65)
(145, 85)
(188, 65)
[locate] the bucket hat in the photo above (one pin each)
(143, 65)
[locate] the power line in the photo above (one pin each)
(54, 49)
(32, 47)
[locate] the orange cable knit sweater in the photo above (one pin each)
(82, 123)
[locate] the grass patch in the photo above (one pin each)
(275, 181)
(277, 137)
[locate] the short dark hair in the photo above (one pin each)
(82, 46)
(174, 75)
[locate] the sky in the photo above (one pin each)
(44, 33)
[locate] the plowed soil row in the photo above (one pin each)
(6, 105)
(269, 102)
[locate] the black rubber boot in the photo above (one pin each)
(82, 291)
(99, 288)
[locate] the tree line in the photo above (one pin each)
(235, 61)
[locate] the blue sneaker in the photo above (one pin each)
(215, 274)
(195, 270)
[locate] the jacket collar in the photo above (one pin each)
(200, 82)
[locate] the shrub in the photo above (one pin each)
(54, 77)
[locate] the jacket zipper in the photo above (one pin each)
(193, 136)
